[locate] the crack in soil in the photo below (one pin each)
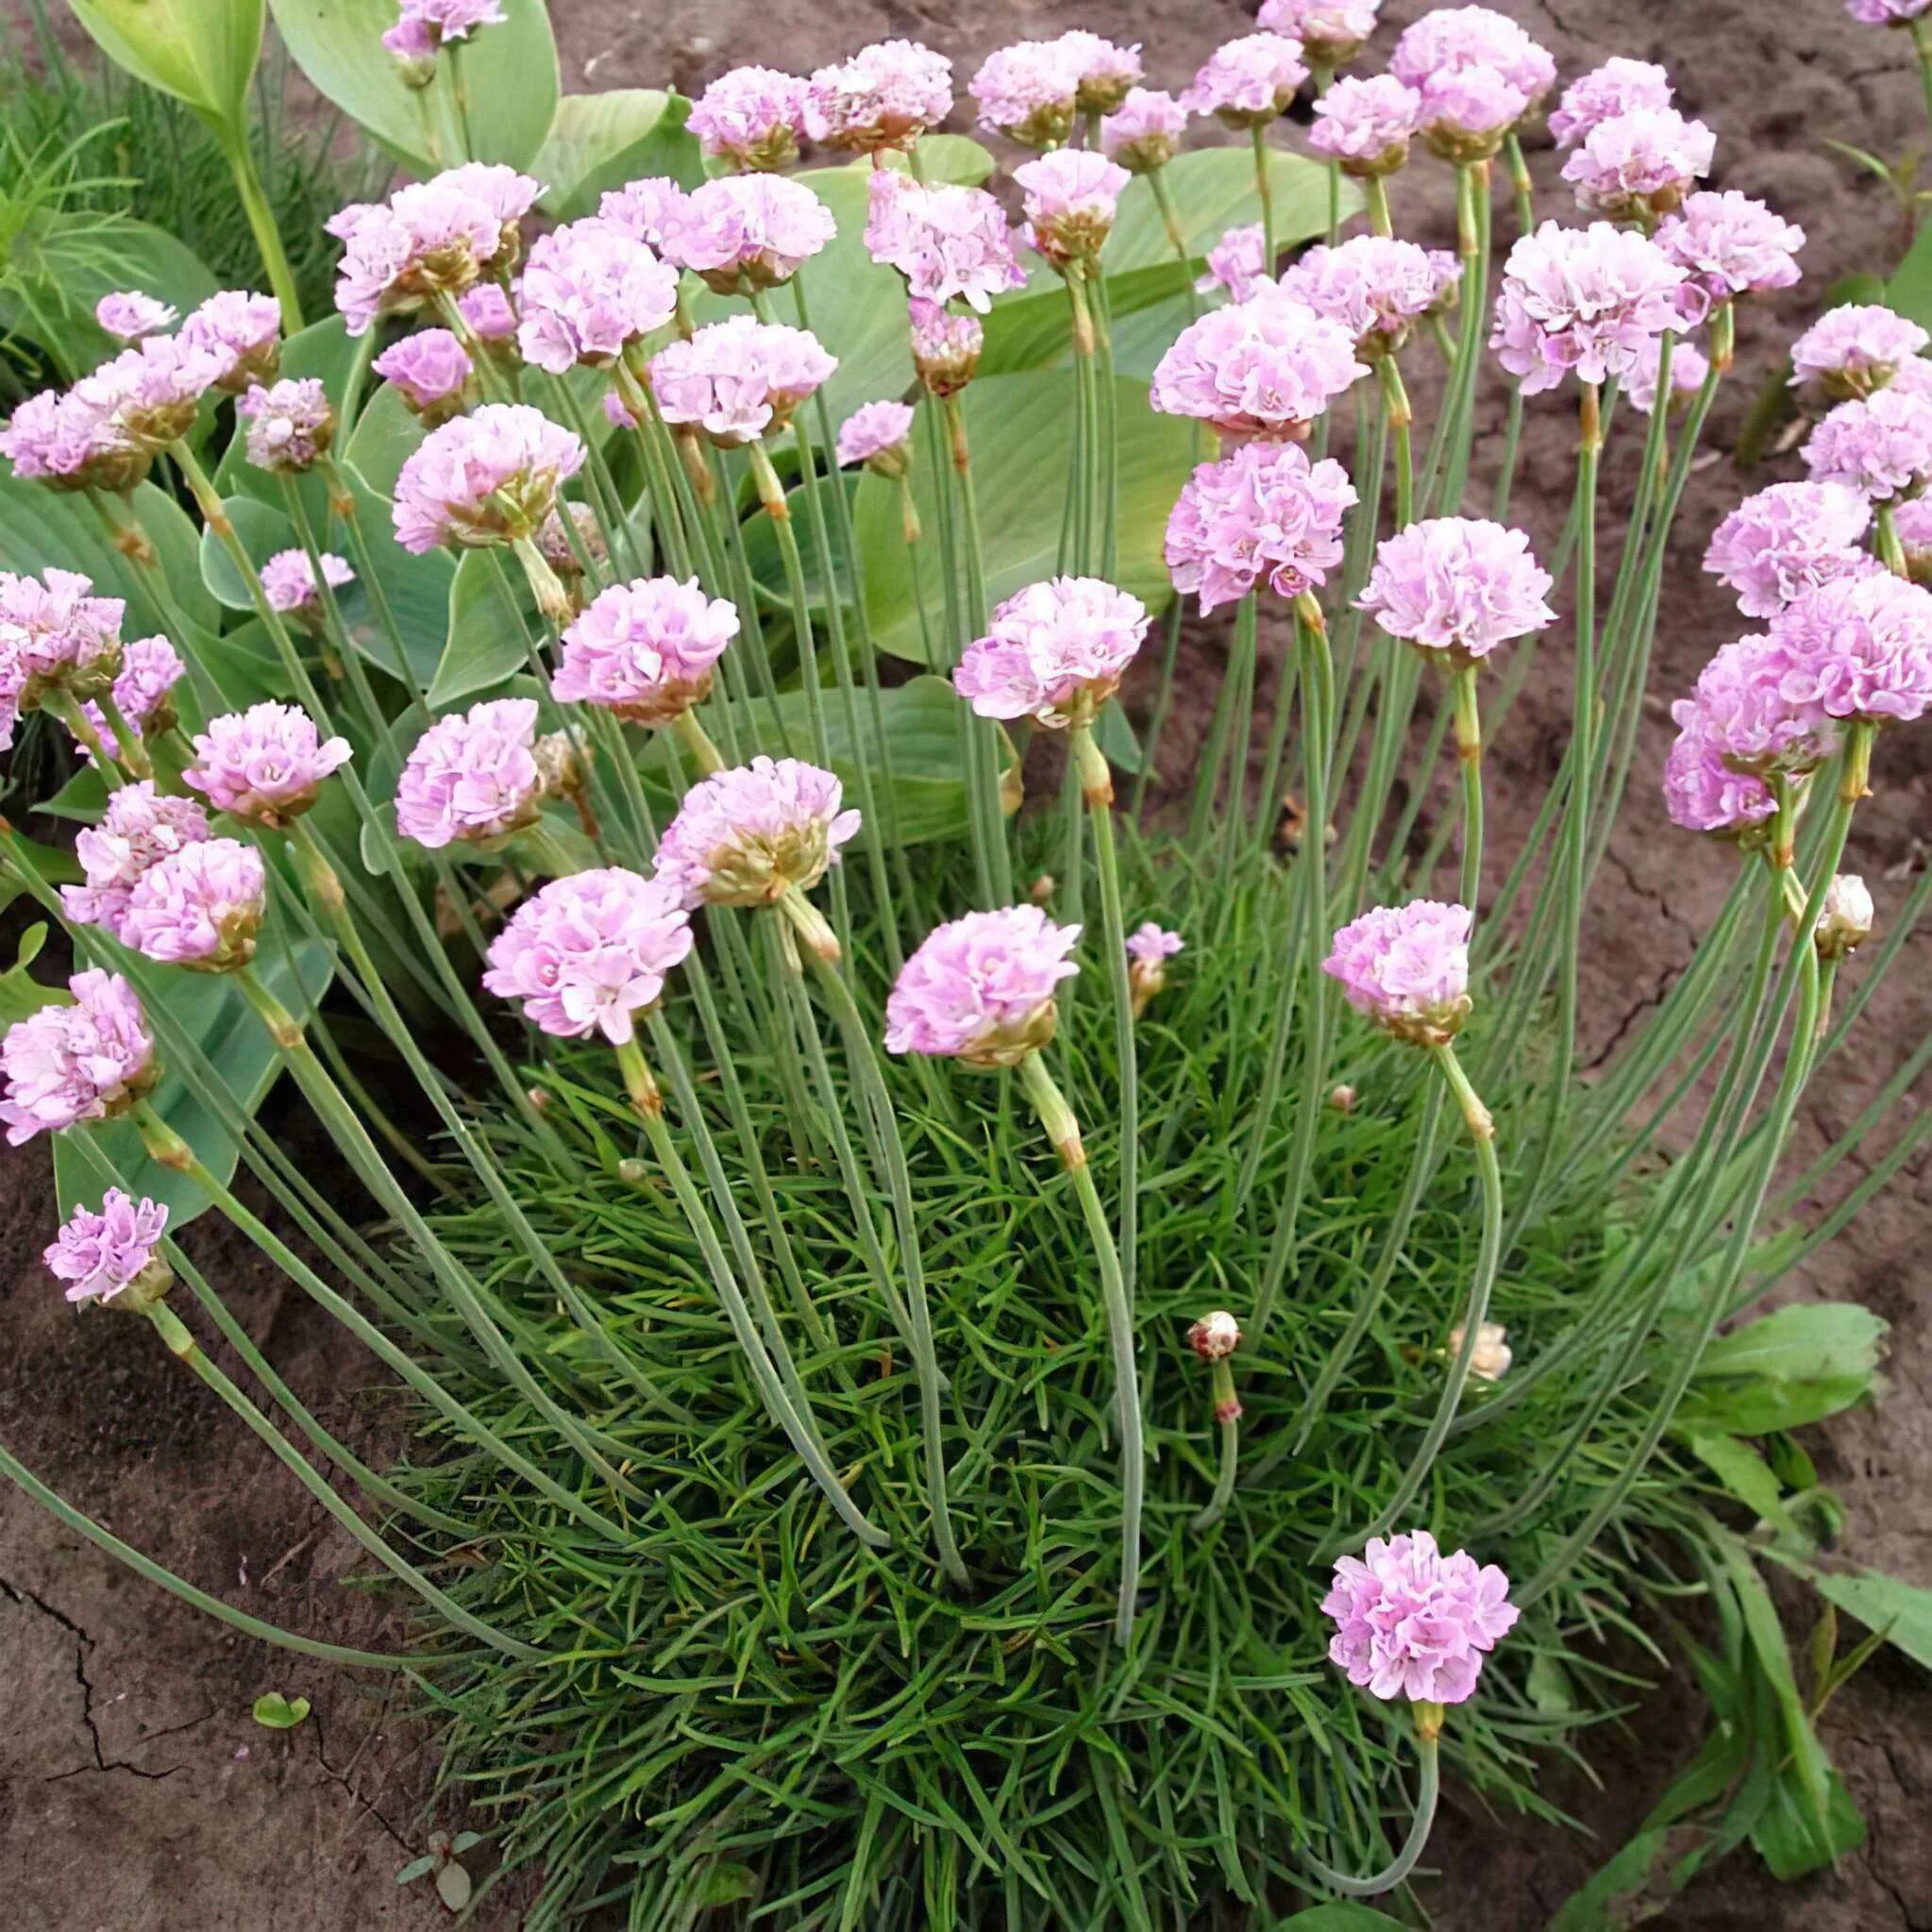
(343, 1778)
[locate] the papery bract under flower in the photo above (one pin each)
(747, 835)
(1366, 125)
(980, 989)
(69, 1064)
(739, 379)
(1638, 163)
(200, 907)
(100, 1255)
(743, 233)
(264, 765)
(1412, 1623)
(752, 117)
(472, 775)
(1856, 348)
(1458, 585)
(490, 477)
(589, 291)
(1055, 652)
(886, 95)
(1263, 513)
(1248, 82)
(1880, 445)
(1603, 93)
(644, 650)
(1407, 968)
(1730, 245)
(431, 371)
(947, 241)
(1107, 71)
(139, 828)
(1787, 540)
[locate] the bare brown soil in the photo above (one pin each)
(135, 1790)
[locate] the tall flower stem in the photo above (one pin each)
(1381, 222)
(1921, 46)
(1469, 754)
(1063, 1130)
(1428, 1789)
(1220, 731)
(1264, 189)
(238, 153)
(1448, 445)
(1227, 1416)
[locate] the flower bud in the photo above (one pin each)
(1846, 923)
(1492, 1356)
(1343, 1100)
(1215, 1336)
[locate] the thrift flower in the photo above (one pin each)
(264, 765)
(1148, 949)
(740, 378)
(1639, 164)
(1860, 648)
(752, 117)
(980, 989)
(1107, 71)
(488, 314)
(1236, 263)
(473, 777)
(1055, 652)
(1407, 968)
(431, 371)
(1454, 40)
(1365, 127)
(1732, 245)
(199, 908)
(1071, 199)
(1605, 93)
(1144, 132)
(288, 580)
(1412, 1623)
(644, 209)
(428, 24)
(139, 828)
(878, 434)
(1748, 703)
(1249, 82)
(886, 95)
(1466, 111)
(1787, 540)
(70, 442)
(149, 397)
(645, 650)
(1880, 445)
(1702, 792)
(946, 347)
(1027, 92)
(946, 241)
(747, 836)
(1215, 1336)
(1265, 368)
(243, 332)
(55, 636)
(1458, 585)
(1689, 365)
(491, 477)
(290, 427)
(1263, 513)
(101, 1256)
(742, 233)
(1375, 287)
(131, 315)
(1856, 348)
(1331, 32)
(1886, 12)
(591, 290)
(71, 1064)
(144, 691)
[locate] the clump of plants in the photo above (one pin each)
(986, 1348)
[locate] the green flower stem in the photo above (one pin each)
(186, 1350)
(1220, 730)
(1512, 444)
(1891, 552)
(1380, 220)
(1921, 46)
(1400, 416)
(1163, 190)
(1227, 1415)
(122, 528)
(1264, 190)
(82, 727)
(652, 440)
(1448, 448)
(1063, 1130)
(126, 739)
(648, 1104)
(1428, 1789)
(236, 150)
(1469, 754)
(771, 492)
(1523, 188)
(1110, 428)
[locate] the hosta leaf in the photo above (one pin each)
(202, 52)
(599, 141)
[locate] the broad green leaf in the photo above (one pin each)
(508, 72)
(276, 1712)
(453, 1887)
(1793, 1367)
(265, 532)
(21, 994)
(955, 157)
(599, 141)
(1340, 1916)
(52, 865)
(386, 435)
(492, 618)
(1903, 1610)
(1790, 1839)
(1021, 431)
(1909, 290)
(203, 52)
(1745, 1474)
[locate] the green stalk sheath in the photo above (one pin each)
(1428, 1789)
(1227, 1410)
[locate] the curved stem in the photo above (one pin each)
(1428, 1789)
(1227, 1415)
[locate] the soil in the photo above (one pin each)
(136, 1791)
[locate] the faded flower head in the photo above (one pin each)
(946, 347)
(1701, 791)
(1639, 164)
(288, 580)
(244, 334)
(1856, 348)
(132, 315)
(1263, 368)
(740, 378)
(645, 650)
(1490, 1359)
(1458, 585)
(1365, 127)
(1787, 540)
(1249, 82)
(200, 907)
(139, 828)
(947, 241)
(1377, 288)
(1732, 245)
(431, 371)
(980, 989)
(1215, 1336)
(1144, 132)
(1412, 1623)
(589, 291)
(473, 777)
(70, 1064)
(1236, 264)
(886, 95)
(1844, 924)
(1055, 652)
(590, 953)
(264, 765)
(743, 233)
(1407, 968)
(1859, 648)
(1331, 31)
(490, 477)
(1880, 445)
(1263, 513)
(752, 117)
(290, 427)
(1072, 196)
(104, 1256)
(1028, 92)
(878, 434)
(747, 836)
(1605, 93)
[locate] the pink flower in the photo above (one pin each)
(590, 953)
(1466, 111)
(139, 828)
(488, 312)
(1263, 512)
(149, 395)
(745, 836)
(746, 232)
(1586, 302)
(427, 24)
(1144, 132)
(1730, 245)
(66, 1065)
(980, 989)
(589, 291)
(1107, 71)
(70, 442)
(55, 634)
(1860, 648)
(886, 95)
(1071, 197)
(1640, 163)
(1911, 524)
(1055, 652)
(1331, 31)
(1235, 263)
(1150, 943)
(945, 241)
(1458, 585)
(200, 907)
(1026, 91)
(1454, 40)
(644, 210)
(1366, 125)
(752, 117)
(646, 649)
(131, 315)
(290, 427)
(1248, 82)
(472, 777)
(1603, 93)
(491, 477)
(1407, 968)
(1148, 949)
(1412, 1623)
(1701, 791)
(1886, 12)
(1880, 444)
(287, 579)
(98, 1256)
(1376, 288)
(431, 372)
(1856, 348)
(1787, 540)
(1265, 368)
(877, 434)
(946, 347)
(264, 765)
(740, 378)
(1689, 365)
(1746, 701)
(144, 691)
(243, 332)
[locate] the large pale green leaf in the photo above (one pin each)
(599, 141)
(509, 73)
(1790, 1368)
(202, 52)
(1022, 430)
(490, 620)
(1903, 1610)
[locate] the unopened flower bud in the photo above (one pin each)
(1343, 1100)
(1492, 1356)
(1043, 889)
(1846, 923)
(1215, 1336)
(539, 1097)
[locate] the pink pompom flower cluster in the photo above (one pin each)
(1365, 127)
(1331, 32)
(752, 117)
(946, 347)
(71, 1064)
(1265, 368)
(289, 426)
(1859, 648)
(747, 836)
(200, 907)
(1028, 92)
(1702, 792)
(590, 290)
(740, 378)
(491, 477)
(1248, 82)
(1458, 586)
(1107, 71)
(1054, 651)
(56, 639)
(1856, 348)
(744, 233)
(1731, 245)
(242, 333)
(590, 953)
(1880, 445)
(143, 692)
(1407, 968)
(130, 315)
(886, 95)
(103, 1255)
(1144, 132)
(645, 650)
(878, 434)
(1478, 74)
(1604, 94)
(1787, 540)
(1689, 365)
(139, 828)
(433, 372)
(1641, 164)
(947, 241)
(1412, 1623)
(1744, 699)
(1236, 264)
(288, 581)
(1263, 513)
(426, 26)
(473, 777)
(1886, 12)
(1377, 288)
(980, 989)
(264, 766)
(1071, 199)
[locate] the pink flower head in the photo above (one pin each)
(144, 691)
(149, 395)
(427, 24)
(243, 333)
(1588, 302)
(1458, 585)
(1787, 540)
(290, 427)
(878, 434)
(473, 777)
(1467, 110)
(1702, 792)
(1072, 196)
(946, 347)
(747, 836)
(70, 1064)
(288, 580)
(55, 634)
(1265, 368)
(1639, 164)
(1407, 968)
(131, 315)
(1603, 93)
(1249, 82)
(1859, 648)
(740, 378)
(1235, 263)
(886, 95)
(1746, 701)
(69, 441)
(1375, 287)
(1886, 12)
(1263, 513)
(646, 649)
(1144, 132)
(752, 117)
(1731, 245)
(1150, 943)
(1107, 71)
(1856, 348)
(431, 372)
(1880, 444)
(139, 828)
(1689, 365)
(945, 241)
(644, 208)
(101, 1255)
(1055, 652)
(1365, 127)
(488, 312)
(1911, 524)
(264, 765)
(590, 953)
(1331, 31)
(491, 477)
(1412, 1623)
(980, 989)
(743, 233)
(1027, 92)
(200, 907)
(589, 291)
(1453, 39)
